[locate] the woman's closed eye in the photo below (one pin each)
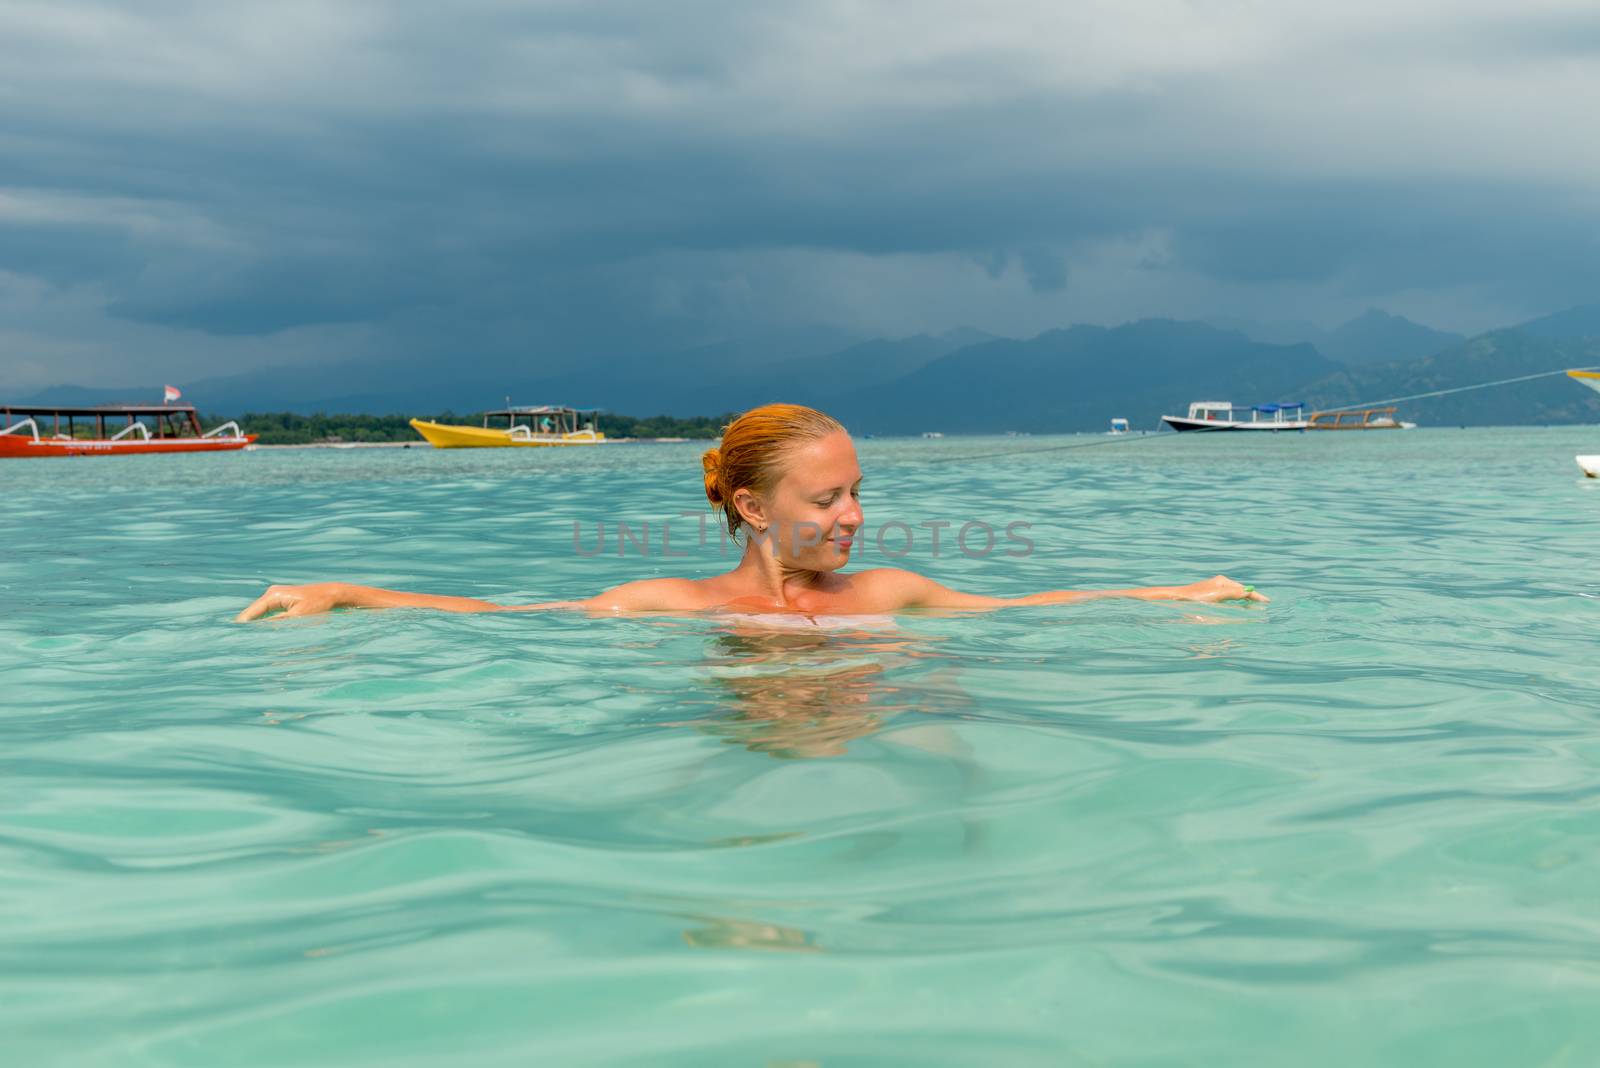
(827, 500)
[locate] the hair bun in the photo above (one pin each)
(711, 461)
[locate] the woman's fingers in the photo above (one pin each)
(1223, 588)
(270, 601)
(258, 608)
(1236, 591)
(309, 600)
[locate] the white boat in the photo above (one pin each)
(1118, 427)
(1589, 465)
(932, 434)
(1221, 415)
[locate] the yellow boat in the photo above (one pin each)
(535, 426)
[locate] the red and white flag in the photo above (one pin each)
(171, 394)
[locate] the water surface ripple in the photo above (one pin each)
(1356, 826)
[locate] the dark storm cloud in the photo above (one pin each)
(580, 177)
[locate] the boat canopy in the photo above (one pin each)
(168, 420)
(89, 412)
(553, 418)
(1286, 406)
(1588, 378)
(544, 409)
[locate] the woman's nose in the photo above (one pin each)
(851, 517)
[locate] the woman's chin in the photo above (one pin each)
(829, 559)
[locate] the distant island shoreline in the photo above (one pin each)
(291, 429)
(421, 444)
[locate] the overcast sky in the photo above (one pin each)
(189, 188)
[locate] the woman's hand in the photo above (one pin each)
(326, 596)
(298, 600)
(1220, 588)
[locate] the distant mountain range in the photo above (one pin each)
(1076, 379)
(1372, 337)
(966, 381)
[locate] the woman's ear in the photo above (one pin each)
(750, 507)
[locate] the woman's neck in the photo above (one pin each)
(768, 576)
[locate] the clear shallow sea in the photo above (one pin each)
(1360, 825)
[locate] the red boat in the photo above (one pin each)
(163, 428)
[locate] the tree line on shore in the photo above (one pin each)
(292, 428)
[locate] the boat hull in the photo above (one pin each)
(1184, 424)
(1590, 465)
(447, 436)
(15, 446)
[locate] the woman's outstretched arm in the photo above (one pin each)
(647, 595)
(327, 596)
(919, 591)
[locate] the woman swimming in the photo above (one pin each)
(787, 480)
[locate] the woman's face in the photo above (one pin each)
(815, 509)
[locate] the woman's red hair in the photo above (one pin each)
(754, 449)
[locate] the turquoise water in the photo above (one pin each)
(1356, 826)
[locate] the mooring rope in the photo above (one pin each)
(1162, 435)
(1457, 389)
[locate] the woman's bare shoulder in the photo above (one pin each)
(890, 589)
(889, 578)
(657, 595)
(892, 586)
